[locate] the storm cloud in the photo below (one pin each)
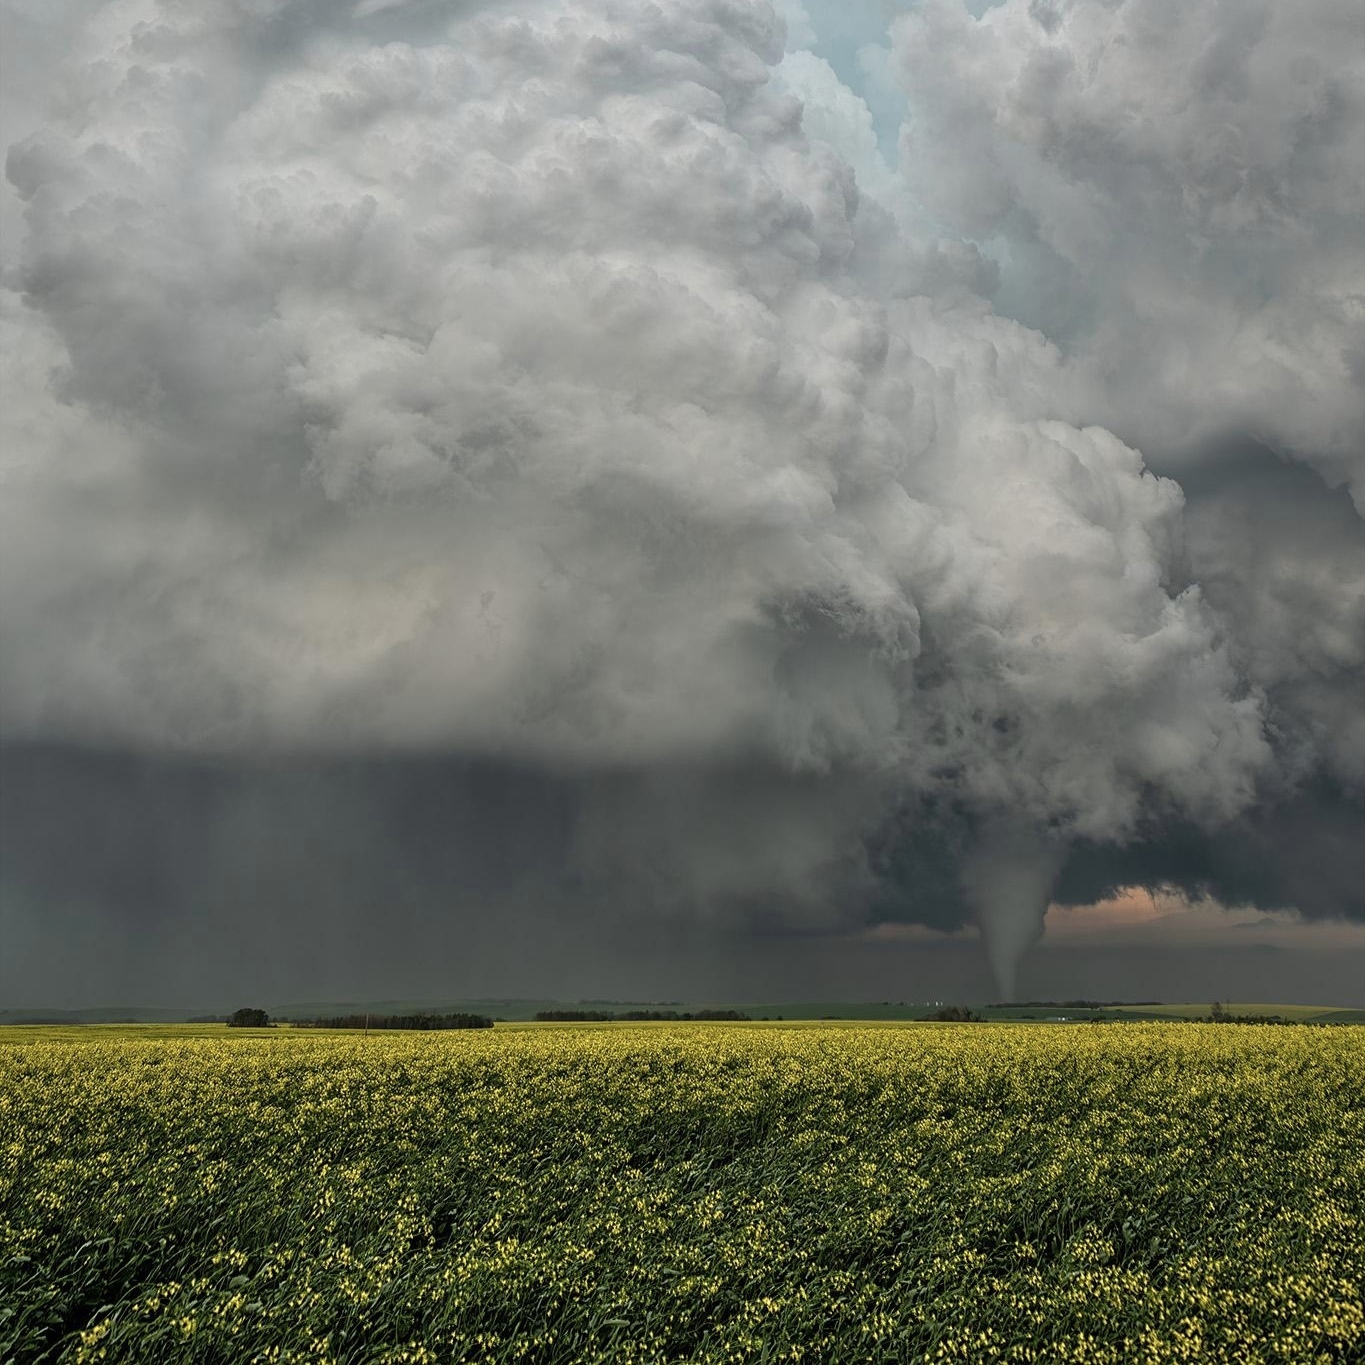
(542, 453)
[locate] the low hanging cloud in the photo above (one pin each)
(535, 389)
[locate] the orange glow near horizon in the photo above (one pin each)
(1167, 917)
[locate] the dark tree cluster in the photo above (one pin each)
(1220, 1014)
(955, 1014)
(247, 1018)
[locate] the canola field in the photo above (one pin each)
(1144, 1192)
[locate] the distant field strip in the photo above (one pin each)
(1123, 1192)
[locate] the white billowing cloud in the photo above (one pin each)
(800, 32)
(833, 114)
(1181, 185)
(543, 387)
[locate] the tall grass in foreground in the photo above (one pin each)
(692, 1193)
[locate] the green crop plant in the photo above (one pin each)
(710, 1193)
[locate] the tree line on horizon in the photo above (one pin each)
(635, 1016)
(418, 1022)
(254, 1018)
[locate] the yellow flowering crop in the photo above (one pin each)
(1145, 1193)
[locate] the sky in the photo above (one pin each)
(682, 499)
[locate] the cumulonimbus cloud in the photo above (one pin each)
(1176, 193)
(530, 386)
